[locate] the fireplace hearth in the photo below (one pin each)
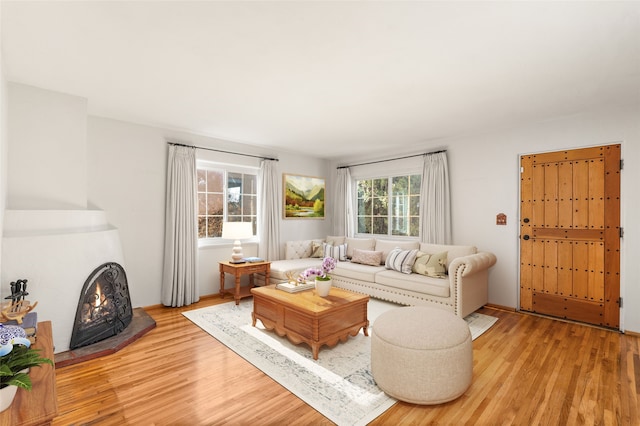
(104, 308)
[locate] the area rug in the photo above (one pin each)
(339, 384)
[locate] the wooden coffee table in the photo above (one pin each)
(309, 318)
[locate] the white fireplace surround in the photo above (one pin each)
(56, 251)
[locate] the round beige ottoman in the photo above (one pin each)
(421, 355)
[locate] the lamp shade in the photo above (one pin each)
(237, 230)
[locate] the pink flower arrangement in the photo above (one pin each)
(322, 273)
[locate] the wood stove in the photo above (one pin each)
(104, 308)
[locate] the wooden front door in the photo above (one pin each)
(570, 234)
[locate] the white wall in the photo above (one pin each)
(47, 149)
(485, 180)
(127, 177)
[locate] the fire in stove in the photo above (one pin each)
(104, 308)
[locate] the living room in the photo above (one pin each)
(63, 151)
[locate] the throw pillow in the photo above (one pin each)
(437, 265)
(401, 260)
(367, 257)
(337, 252)
(420, 265)
(316, 249)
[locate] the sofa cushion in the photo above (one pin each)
(453, 251)
(420, 265)
(413, 282)
(338, 252)
(367, 257)
(356, 271)
(316, 249)
(401, 260)
(385, 246)
(360, 244)
(279, 268)
(436, 265)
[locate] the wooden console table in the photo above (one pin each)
(39, 405)
(239, 269)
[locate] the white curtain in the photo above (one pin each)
(342, 205)
(268, 212)
(435, 225)
(179, 278)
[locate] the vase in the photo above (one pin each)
(6, 396)
(323, 287)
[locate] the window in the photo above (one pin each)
(225, 195)
(389, 205)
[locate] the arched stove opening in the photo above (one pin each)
(104, 308)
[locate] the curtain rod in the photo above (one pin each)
(392, 159)
(220, 150)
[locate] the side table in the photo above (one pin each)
(239, 269)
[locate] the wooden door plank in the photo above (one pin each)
(580, 270)
(565, 195)
(565, 265)
(551, 266)
(596, 194)
(581, 195)
(551, 195)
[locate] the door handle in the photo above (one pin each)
(526, 237)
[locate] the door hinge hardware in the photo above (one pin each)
(620, 302)
(621, 164)
(621, 232)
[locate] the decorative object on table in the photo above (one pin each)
(254, 259)
(303, 197)
(29, 325)
(295, 288)
(19, 306)
(16, 358)
(323, 280)
(237, 231)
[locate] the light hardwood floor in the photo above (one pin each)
(527, 370)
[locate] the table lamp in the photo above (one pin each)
(237, 231)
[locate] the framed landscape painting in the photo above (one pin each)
(303, 197)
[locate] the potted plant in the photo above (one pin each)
(322, 277)
(16, 358)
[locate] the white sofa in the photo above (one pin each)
(462, 291)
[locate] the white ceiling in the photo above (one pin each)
(329, 77)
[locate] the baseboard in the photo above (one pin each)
(500, 307)
(160, 305)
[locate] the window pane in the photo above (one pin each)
(202, 226)
(415, 184)
(380, 187)
(364, 207)
(249, 207)
(249, 184)
(214, 226)
(380, 207)
(414, 229)
(202, 203)
(414, 205)
(400, 185)
(364, 224)
(202, 180)
(399, 226)
(215, 181)
(364, 189)
(214, 204)
(380, 225)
